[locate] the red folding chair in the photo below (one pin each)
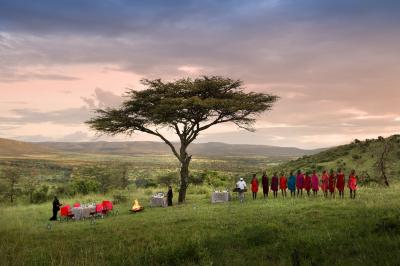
(107, 206)
(77, 205)
(66, 212)
(99, 209)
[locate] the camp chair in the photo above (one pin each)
(77, 205)
(99, 209)
(107, 206)
(66, 213)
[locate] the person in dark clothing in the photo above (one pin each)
(56, 208)
(170, 195)
(265, 186)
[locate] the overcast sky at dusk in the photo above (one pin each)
(335, 64)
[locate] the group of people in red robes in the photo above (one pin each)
(328, 183)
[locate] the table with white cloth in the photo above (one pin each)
(83, 212)
(158, 201)
(220, 196)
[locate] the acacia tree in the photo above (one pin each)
(187, 107)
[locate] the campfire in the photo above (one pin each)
(136, 206)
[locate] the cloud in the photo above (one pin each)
(334, 63)
(68, 116)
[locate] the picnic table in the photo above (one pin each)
(83, 212)
(220, 196)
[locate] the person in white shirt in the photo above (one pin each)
(241, 185)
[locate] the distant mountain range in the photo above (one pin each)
(18, 148)
(10, 147)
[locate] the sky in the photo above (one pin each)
(334, 63)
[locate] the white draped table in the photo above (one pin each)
(220, 196)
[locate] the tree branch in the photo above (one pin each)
(170, 145)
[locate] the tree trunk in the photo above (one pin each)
(184, 181)
(185, 161)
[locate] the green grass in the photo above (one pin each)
(364, 231)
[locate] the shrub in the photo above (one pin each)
(169, 179)
(41, 194)
(197, 179)
(84, 186)
(145, 183)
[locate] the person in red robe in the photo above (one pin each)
(332, 183)
(254, 186)
(325, 183)
(307, 183)
(265, 186)
(283, 184)
(299, 183)
(340, 183)
(352, 184)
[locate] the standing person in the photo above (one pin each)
(332, 183)
(352, 184)
(241, 185)
(307, 183)
(265, 186)
(340, 183)
(299, 183)
(292, 184)
(325, 183)
(283, 184)
(315, 183)
(254, 186)
(170, 195)
(56, 208)
(275, 184)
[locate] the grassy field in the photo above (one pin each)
(364, 231)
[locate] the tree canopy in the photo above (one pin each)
(187, 107)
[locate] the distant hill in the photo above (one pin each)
(159, 148)
(10, 147)
(359, 155)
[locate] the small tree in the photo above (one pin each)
(187, 107)
(382, 161)
(11, 176)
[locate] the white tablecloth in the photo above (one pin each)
(220, 197)
(83, 212)
(158, 201)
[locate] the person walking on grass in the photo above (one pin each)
(307, 183)
(340, 183)
(283, 184)
(56, 208)
(275, 185)
(241, 186)
(325, 183)
(292, 184)
(299, 183)
(264, 181)
(352, 184)
(332, 183)
(254, 186)
(315, 183)
(170, 195)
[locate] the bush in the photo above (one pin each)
(40, 195)
(169, 179)
(197, 179)
(145, 183)
(84, 186)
